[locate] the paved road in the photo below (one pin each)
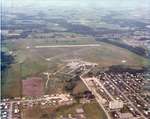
(126, 98)
(98, 99)
(96, 79)
(134, 92)
(67, 46)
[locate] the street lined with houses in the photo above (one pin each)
(113, 92)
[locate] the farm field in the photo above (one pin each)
(32, 86)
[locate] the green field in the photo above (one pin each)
(32, 62)
(36, 112)
(97, 113)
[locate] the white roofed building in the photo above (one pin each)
(116, 104)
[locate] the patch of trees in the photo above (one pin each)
(137, 50)
(44, 116)
(71, 83)
(86, 94)
(6, 60)
(122, 69)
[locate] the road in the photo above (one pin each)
(96, 79)
(134, 92)
(52, 74)
(11, 102)
(67, 46)
(126, 98)
(98, 98)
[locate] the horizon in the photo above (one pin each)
(131, 4)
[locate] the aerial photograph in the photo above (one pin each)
(75, 59)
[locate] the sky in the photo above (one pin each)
(134, 4)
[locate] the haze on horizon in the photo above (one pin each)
(109, 4)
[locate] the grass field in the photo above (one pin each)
(97, 113)
(33, 62)
(80, 87)
(37, 112)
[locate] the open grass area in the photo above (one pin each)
(107, 55)
(94, 111)
(36, 112)
(80, 87)
(91, 111)
(97, 113)
(33, 62)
